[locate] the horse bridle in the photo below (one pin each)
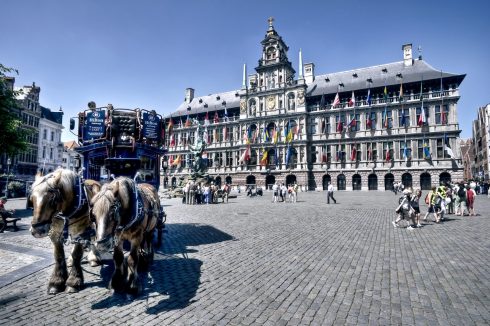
(55, 195)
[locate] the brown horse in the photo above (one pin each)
(126, 211)
(61, 205)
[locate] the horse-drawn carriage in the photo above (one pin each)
(74, 207)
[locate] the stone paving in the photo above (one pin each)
(253, 262)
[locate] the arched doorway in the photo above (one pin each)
(406, 180)
(174, 182)
(356, 182)
(269, 181)
(372, 182)
(228, 180)
(326, 180)
(290, 179)
(444, 178)
(425, 181)
(341, 182)
(217, 181)
(250, 180)
(389, 180)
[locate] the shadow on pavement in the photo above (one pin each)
(172, 276)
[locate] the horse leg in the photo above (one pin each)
(117, 281)
(58, 277)
(133, 282)
(74, 282)
(93, 257)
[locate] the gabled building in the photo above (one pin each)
(360, 129)
(50, 150)
(481, 141)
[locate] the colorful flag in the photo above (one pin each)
(205, 135)
(426, 151)
(352, 100)
(264, 160)
(403, 119)
(266, 137)
(177, 160)
(446, 140)
(401, 93)
(369, 153)
(170, 125)
(288, 154)
(443, 116)
(405, 153)
(171, 160)
(353, 122)
(172, 140)
(323, 126)
(368, 99)
(245, 156)
(386, 122)
(206, 119)
(180, 123)
(216, 117)
(449, 151)
(388, 155)
(215, 135)
(422, 117)
(369, 122)
(385, 94)
(353, 154)
(324, 155)
(225, 116)
(336, 100)
(275, 136)
(421, 93)
(340, 126)
(187, 121)
(322, 102)
(225, 133)
(339, 153)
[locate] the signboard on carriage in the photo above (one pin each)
(94, 125)
(152, 127)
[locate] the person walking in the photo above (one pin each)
(330, 193)
(284, 192)
(405, 210)
(470, 199)
(430, 200)
(415, 203)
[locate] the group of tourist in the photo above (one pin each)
(198, 193)
(458, 199)
(287, 193)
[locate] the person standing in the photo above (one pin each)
(415, 203)
(330, 193)
(284, 191)
(275, 193)
(470, 199)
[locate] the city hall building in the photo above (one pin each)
(362, 129)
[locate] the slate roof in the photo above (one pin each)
(56, 117)
(380, 75)
(198, 104)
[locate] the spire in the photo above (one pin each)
(244, 82)
(300, 65)
(270, 30)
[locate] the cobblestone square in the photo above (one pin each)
(253, 262)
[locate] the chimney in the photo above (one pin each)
(189, 95)
(407, 55)
(309, 72)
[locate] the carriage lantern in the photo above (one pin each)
(78, 162)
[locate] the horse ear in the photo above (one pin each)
(57, 177)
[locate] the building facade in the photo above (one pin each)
(361, 129)
(50, 147)
(481, 141)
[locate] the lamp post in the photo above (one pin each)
(7, 181)
(77, 163)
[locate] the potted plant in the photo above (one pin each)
(14, 187)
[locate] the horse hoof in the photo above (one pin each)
(70, 289)
(53, 290)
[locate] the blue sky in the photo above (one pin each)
(145, 53)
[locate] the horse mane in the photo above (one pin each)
(66, 182)
(103, 200)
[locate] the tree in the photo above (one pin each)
(13, 138)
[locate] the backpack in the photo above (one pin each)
(427, 199)
(470, 195)
(461, 193)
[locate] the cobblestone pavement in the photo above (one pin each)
(255, 262)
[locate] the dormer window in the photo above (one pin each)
(354, 75)
(341, 84)
(200, 100)
(327, 80)
(205, 105)
(188, 108)
(223, 103)
(384, 70)
(369, 80)
(399, 75)
(236, 94)
(217, 98)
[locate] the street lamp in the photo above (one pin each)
(78, 162)
(7, 182)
